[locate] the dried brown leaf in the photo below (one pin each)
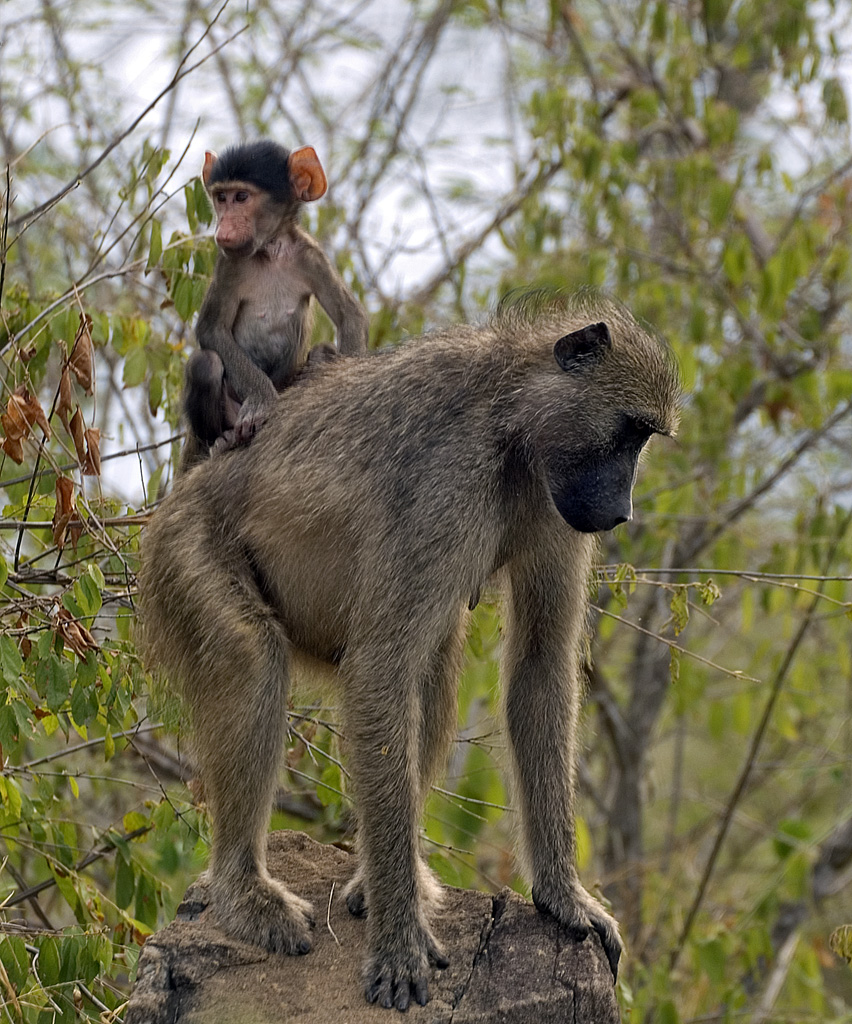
(66, 397)
(14, 449)
(25, 642)
(22, 411)
(92, 465)
(64, 510)
(74, 634)
(81, 359)
(77, 430)
(14, 421)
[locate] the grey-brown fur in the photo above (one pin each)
(377, 499)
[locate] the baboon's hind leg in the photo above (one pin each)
(238, 698)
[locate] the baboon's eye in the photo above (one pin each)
(635, 430)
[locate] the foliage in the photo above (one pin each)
(692, 159)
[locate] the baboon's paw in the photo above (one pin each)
(392, 978)
(196, 898)
(267, 915)
(579, 913)
(356, 901)
(393, 981)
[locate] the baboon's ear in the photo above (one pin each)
(582, 348)
(306, 174)
(210, 159)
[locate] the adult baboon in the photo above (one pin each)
(378, 498)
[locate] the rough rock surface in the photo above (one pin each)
(508, 963)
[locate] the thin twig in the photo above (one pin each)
(90, 858)
(734, 673)
(70, 466)
(150, 727)
(328, 914)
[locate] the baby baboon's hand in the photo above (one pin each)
(579, 913)
(254, 412)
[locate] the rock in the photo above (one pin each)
(508, 963)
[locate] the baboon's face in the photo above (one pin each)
(591, 481)
(595, 492)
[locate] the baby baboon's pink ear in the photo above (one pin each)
(306, 174)
(210, 158)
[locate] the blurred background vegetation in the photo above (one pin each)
(693, 159)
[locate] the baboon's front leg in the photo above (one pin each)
(383, 732)
(438, 717)
(541, 667)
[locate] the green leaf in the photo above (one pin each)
(721, 200)
(680, 609)
(156, 249)
(48, 962)
(203, 206)
(153, 488)
(135, 367)
(584, 843)
(125, 883)
(840, 942)
(189, 199)
(658, 22)
(163, 816)
(69, 950)
(90, 592)
(668, 1014)
(15, 959)
(10, 796)
(9, 732)
(84, 704)
(834, 98)
(155, 393)
(11, 662)
(712, 958)
(134, 820)
(57, 683)
(790, 835)
(674, 664)
(103, 951)
(329, 789)
(183, 298)
(146, 901)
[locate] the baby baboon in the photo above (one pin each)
(254, 327)
(377, 499)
